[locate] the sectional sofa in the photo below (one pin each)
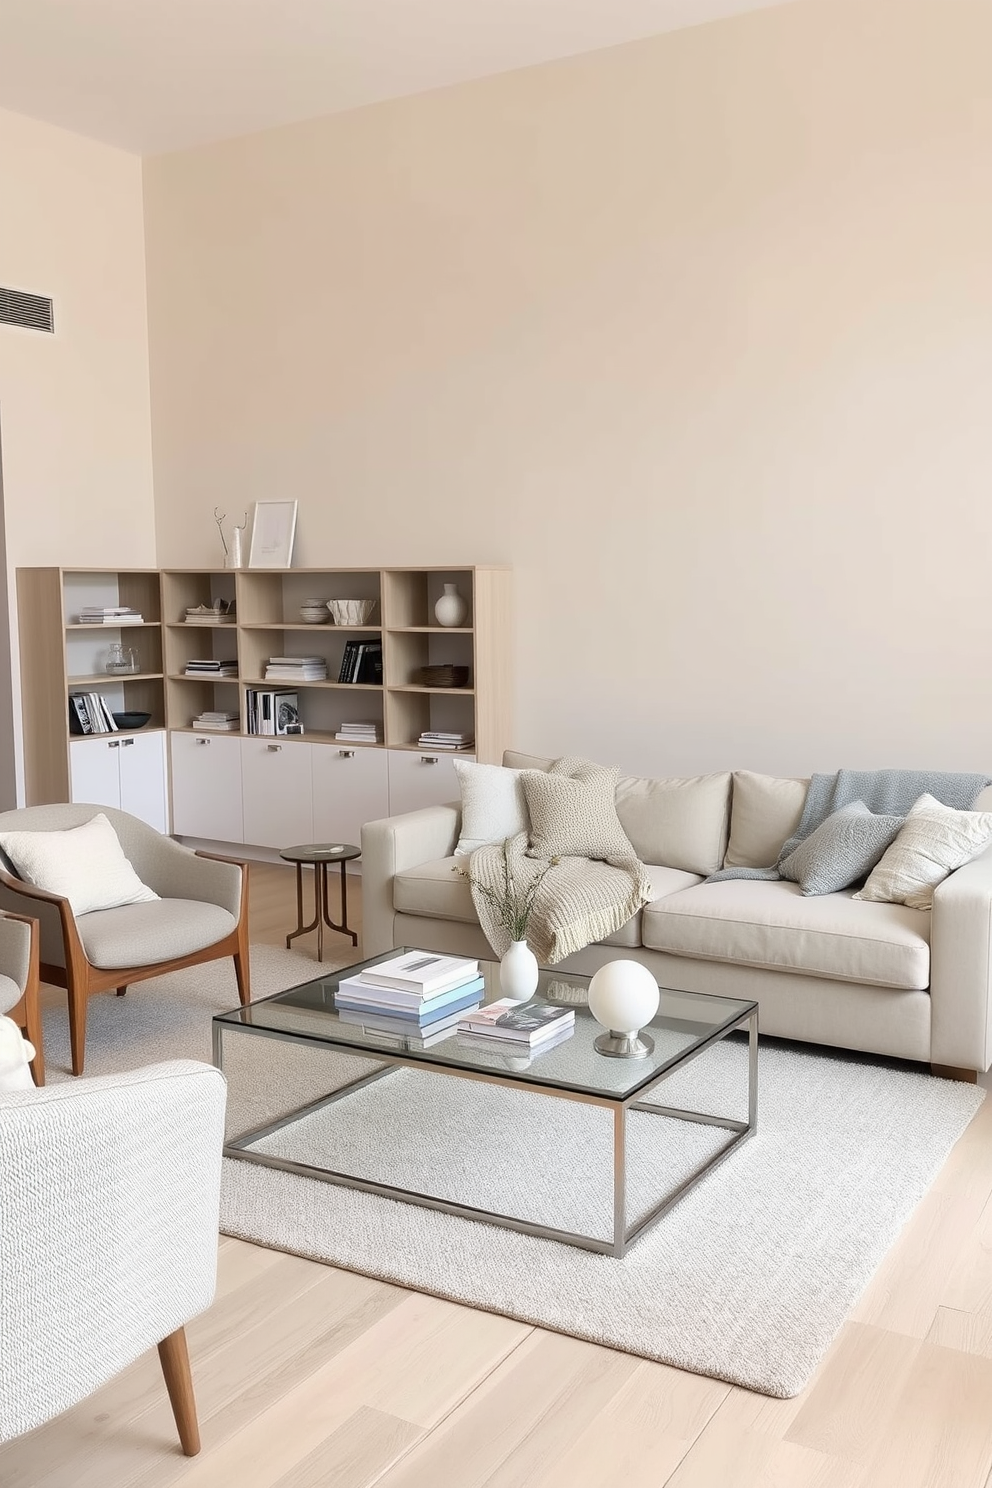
(832, 970)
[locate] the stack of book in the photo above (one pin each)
(110, 615)
(507, 1023)
(361, 662)
(215, 614)
(276, 712)
(367, 731)
(296, 669)
(89, 714)
(211, 670)
(417, 993)
(440, 739)
(216, 723)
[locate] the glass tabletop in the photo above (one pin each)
(685, 1021)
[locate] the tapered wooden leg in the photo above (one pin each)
(121, 990)
(77, 1028)
(953, 1072)
(30, 1021)
(174, 1356)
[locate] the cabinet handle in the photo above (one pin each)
(346, 754)
(204, 741)
(126, 743)
(113, 743)
(428, 759)
(273, 748)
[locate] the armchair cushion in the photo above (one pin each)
(85, 864)
(145, 934)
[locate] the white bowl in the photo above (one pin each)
(351, 611)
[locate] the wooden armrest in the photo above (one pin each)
(221, 858)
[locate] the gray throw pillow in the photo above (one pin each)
(842, 849)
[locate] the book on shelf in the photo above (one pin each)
(198, 668)
(354, 1006)
(119, 617)
(428, 742)
(361, 661)
(422, 972)
(515, 1022)
(410, 1004)
(92, 713)
(447, 736)
(369, 732)
(97, 612)
(272, 712)
(216, 722)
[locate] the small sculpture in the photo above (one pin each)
(232, 554)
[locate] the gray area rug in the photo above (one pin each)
(747, 1279)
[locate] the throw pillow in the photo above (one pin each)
(676, 823)
(493, 804)
(841, 850)
(764, 814)
(15, 1056)
(934, 840)
(84, 864)
(574, 814)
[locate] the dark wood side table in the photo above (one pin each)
(319, 855)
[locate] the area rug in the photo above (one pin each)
(747, 1279)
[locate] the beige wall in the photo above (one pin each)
(695, 333)
(74, 408)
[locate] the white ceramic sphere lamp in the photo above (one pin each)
(624, 997)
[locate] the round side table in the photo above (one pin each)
(319, 855)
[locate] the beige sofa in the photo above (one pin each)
(881, 978)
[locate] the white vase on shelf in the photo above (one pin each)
(452, 607)
(232, 558)
(518, 972)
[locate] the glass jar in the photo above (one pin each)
(120, 659)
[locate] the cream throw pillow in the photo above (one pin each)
(84, 864)
(934, 841)
(575, 814)
(493, 804)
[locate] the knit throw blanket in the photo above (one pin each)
(886, 792)
(579, 900)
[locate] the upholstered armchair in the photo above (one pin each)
(19, 943)
(108, 1234)
(201, 914)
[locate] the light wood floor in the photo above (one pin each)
(307, 1376)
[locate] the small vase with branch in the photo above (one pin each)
(512, 906)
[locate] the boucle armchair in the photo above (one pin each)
(19, 956)
(201, 914)
(108, 1221)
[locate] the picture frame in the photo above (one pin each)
(273, 529)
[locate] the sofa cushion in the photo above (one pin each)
(441, 892)
(682, 823)
(841, 850)
(516, 761)
(771, 924)
(764, 813)
(934, 841)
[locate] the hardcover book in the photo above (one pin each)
(423, 972)
(522, 1023)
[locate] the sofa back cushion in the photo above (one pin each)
(678, 823)
(674, 823)
(764, 813)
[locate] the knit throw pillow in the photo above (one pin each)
(934, 841)
(573, 812)
(841, 850)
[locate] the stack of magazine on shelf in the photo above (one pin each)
(110, 615)
(89, 713)
(509, 1024)
(419, 994)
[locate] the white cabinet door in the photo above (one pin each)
(95, 772)
(418, 779)
(143, 781)
(350, 787)
(206, 787)
(276, 792)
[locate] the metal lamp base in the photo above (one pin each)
(624, 1045)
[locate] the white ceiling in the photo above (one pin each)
(158, 75)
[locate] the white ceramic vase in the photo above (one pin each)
(518, 972)
(451, 608)
(232, 558)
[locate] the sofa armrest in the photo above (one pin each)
(961, 968)
(388, 847)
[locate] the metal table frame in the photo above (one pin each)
(624, 1234)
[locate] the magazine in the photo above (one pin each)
(516, 1022)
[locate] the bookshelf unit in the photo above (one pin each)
(242, 787)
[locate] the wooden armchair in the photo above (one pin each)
(19, 954)
(201, 914)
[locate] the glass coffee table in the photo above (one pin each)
(688, 1025)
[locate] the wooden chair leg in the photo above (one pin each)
(77, 1028)
(242, 965)
(174, 1357)
(121, 991)
(33, 1033)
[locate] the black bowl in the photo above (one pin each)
(131, 720)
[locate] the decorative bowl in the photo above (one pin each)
(444, 676)
(351, 611)
(314, 614)
(132, 720)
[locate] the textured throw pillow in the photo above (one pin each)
(84, 864)
(934, 840)
(575, 814)
(493, 804)
(841, 850)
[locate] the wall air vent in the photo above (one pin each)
(30, 310)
